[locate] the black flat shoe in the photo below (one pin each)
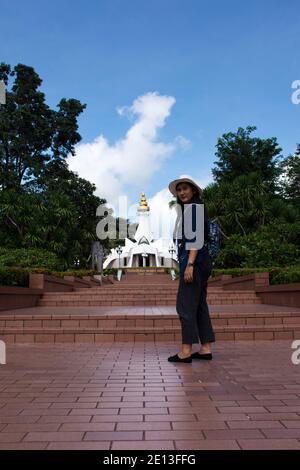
(176, 358)
(206, 357)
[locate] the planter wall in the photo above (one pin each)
(50, 283)
(18, 297)
(281, 294)
(248, 282)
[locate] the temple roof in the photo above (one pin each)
(143, 204)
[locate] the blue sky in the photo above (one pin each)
(226, 63)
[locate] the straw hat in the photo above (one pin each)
(173, 184)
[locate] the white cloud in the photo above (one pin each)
(128, 164)
(162, 217)
(132, 160)
(183, 143)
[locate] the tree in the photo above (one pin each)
(240, 206)
(43, 205)
(261, 248)
(291, 178)
(31, 133)
(240, 153)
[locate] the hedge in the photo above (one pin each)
(14, 276)
(277, 275)
(30, 258)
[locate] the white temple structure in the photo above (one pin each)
(144, 251)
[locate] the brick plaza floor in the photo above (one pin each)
(127, 396)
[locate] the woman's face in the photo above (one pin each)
(184, 192)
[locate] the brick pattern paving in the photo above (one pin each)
(127, 396)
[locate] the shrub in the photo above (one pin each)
(14, 277)
(29, 258)
(111, 271)
(285, 275)
(257, 250)
(239, 271)
(277, 275)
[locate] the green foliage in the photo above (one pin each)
(258, 212)
(257, 249)
(240, 153)
(245, 205)
(43, 205)
(46, 221)
(31, 133)
(113, 271)
(290, 185)
(277, 275)
(285, 275)
(29, 258)
(48, 213)
(19, 276)
(11, 276)
(239, 271)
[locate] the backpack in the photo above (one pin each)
(214, 239)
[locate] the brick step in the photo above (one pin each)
(160, 287)
(141, 302)
(149, 294)
(141, 288)
(83, 295)
(140, 296)
(146, 279)
(149, 303)
(135, 327)
(168, 333)
(141, 292)
(144, 320)
(136, 301)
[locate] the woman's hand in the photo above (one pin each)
(188, 274)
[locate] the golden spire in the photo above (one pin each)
(143, 207)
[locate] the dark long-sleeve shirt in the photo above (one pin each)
(181, 239)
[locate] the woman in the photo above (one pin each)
(195, 268)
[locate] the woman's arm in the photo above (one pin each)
(189, 270)
(192, 256)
